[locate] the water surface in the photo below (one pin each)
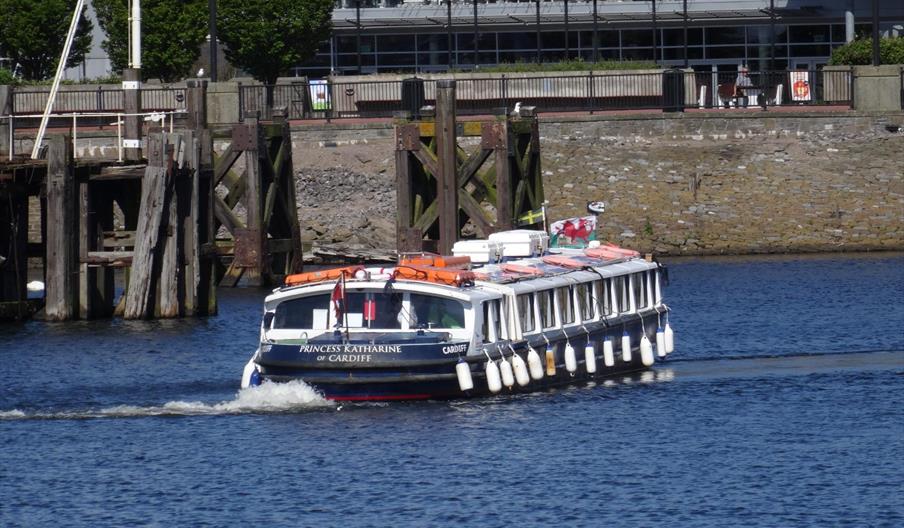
(781, 407)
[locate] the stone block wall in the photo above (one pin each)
(732, 183)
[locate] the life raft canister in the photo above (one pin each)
(322, 275)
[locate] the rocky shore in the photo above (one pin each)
(744, 188)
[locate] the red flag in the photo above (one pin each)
(370, 308)
(338, 299)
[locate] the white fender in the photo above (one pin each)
(534, 364)
(669, 339)
(248, 370)
(571, 361)
(590, 357)
(646, 351)
(608, 352)
(493, 381)
(463, 371)
(520, 367)
(508, 377)
(660, 342)
(626, 347)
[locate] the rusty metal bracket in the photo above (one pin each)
(408, 137)
(243, 137)
(249, 248)
(493, 136)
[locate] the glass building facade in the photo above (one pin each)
(416, 37)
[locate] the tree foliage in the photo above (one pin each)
(860, 51)
(172, 32)
(267, 37)
(33, 32)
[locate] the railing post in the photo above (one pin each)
(329, 107)
(505, 93)
(241, 102)
(74, 134)
(590, 99)
(851, 97)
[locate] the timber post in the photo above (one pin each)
(13, 250)
(131, 102)
(447, 165)
(62, 242)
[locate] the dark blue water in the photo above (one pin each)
(116, 423)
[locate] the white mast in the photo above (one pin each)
(56, 79)
(135, 55)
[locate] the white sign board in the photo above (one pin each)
(800, 86)
(320, 94)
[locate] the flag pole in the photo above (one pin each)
(344, 307)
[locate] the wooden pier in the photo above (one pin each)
(441, 187)
(149, 225)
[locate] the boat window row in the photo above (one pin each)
(375, 310)
(580, 303)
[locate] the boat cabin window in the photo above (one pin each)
(657, 289)
(436, 312)
(546, 305)
(639, 286)
(564, 297)
(312, 312)
(526, 312)
(622, 294)
(602, 293)
(585, 300)
(492, 329)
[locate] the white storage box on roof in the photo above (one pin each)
(480, 251)
(522, 242)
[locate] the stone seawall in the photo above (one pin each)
(740, 182)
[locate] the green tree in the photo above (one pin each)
(33, 32)
(860, 51)
(172, 32)
(267, 37)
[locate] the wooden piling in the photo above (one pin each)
(131, 102)
(447, 165)
(142, 283)
(62, 241)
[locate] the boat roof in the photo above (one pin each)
(494, 283)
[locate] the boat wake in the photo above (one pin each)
(281, 398)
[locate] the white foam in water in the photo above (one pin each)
(293, 396)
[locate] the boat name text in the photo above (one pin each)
(350, 349)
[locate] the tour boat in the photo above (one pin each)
(500, 316)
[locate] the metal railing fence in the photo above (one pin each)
(586, 92)
(32, 101)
